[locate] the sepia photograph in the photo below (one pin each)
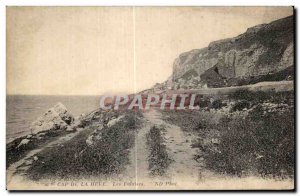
(131, 98)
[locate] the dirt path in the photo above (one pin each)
(184, 166)
(279, 86)
(137, 170)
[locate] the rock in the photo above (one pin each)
(35, 158)
(114, 121)
(55, 118)
(29, 136)
(79, 129)
(259, 156)
(76, 124)
(215, 141)
(100, 127)
(80, 117)
(63, 113)
(288, 56)
(40, 135)
(200, 159)
(71, 129)
(96, 135)
(23, 142)
(89, 141)
(28, 162)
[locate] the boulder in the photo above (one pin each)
(63, 113)
(80, 117)
(77, 124)
(79, 129)
(89, 141)
(28, 162)
(55, 118)
(71, 128)
(114, 121)
(95, 136)
(23, 142)
(41, 135)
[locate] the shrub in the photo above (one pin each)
(249, 95)
(261, 96)
(240, 105)
(262, 144)
(217, 104)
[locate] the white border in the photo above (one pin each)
(150, 3)
(5, 3)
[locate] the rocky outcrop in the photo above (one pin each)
(105, 119)
(55, 118)
(261, 50)
(23, 142)
(114, 121)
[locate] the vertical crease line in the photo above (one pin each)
(134, 86)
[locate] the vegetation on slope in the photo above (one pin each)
(74, 159)
(259, 141)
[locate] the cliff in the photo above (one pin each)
(262, 50)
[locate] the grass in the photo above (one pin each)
(158, 158)
(261, 96)
(240, 105)
(260, 144)
(14, 154)
(217, 104)
(190, 121)
(76, 160)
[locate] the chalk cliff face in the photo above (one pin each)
(262, 50)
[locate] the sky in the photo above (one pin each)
(101, 50)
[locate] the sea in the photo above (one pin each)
(22, 110)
